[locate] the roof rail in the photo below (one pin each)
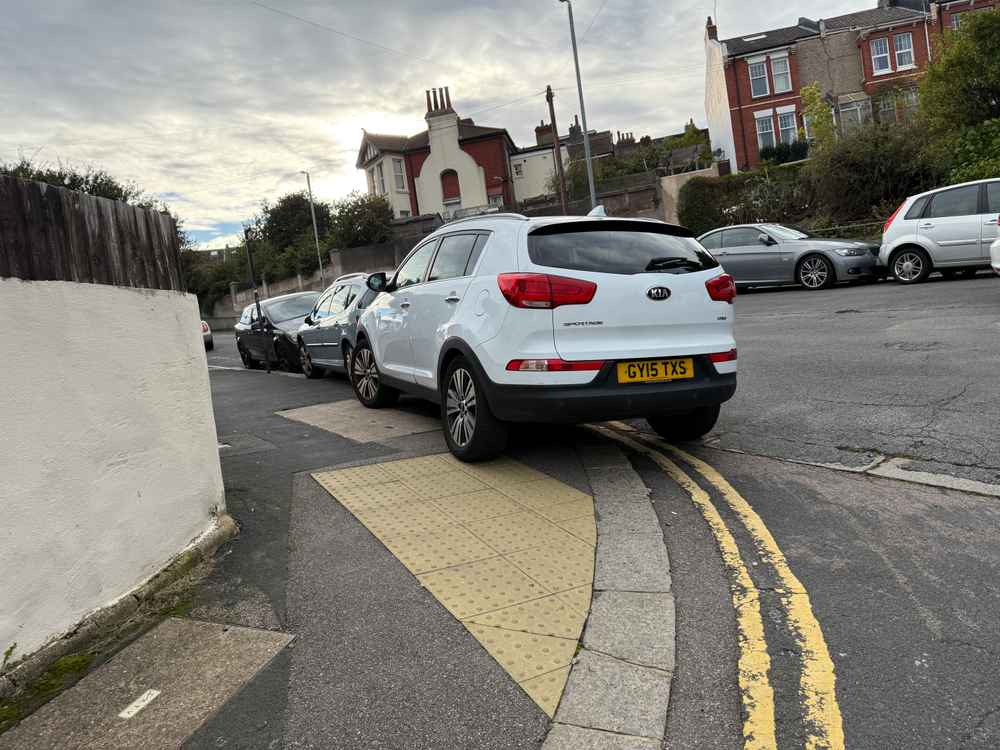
(515, 217)
(350, 275)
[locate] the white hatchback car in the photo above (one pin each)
(503, 319)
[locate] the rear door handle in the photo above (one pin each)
(991, 223)
(927, 225)
(452, 298)
(404, 304)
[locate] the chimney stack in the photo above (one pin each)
(712, 30)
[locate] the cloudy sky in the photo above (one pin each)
(218, 104)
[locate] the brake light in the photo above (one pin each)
(888, 223)
(204, 327)
(719, 357)
(543, 291)
(553, 365)
(722, 288)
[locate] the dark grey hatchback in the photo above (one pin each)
(272, 338)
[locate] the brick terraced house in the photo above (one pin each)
(866, 63)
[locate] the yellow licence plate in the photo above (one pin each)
(655, 370)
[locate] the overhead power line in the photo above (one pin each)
(592, 20)
(360, 40)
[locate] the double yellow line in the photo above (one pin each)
(817, 686)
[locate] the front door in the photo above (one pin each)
(328, 332)
(952, 226)
(747, 259)
(436, 301)
(393, 316)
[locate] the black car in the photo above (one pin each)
(273, 339)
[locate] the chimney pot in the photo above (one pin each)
(711, 29)
(428, 93)
(447, 97)
(434, 96)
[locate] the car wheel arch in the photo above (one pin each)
(814, 253)
(910, 245)
(455, 347)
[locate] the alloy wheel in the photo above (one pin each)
(908, 267)
(306, 360)
(461, 407)
(814, 273)
(365, 375)
(245, 356)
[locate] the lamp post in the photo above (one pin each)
(312, 209)
(583, 109)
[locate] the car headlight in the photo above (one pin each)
(850, 252)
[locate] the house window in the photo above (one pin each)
(807, 127)
(399, 174)
(854, 114)
(880, 56)
(887, 108)
(909, 99)
(371, 181)
(765, 131)
(956, 20)
(781, 75)
(787, 127)
(758, 79)
(404, 214)
(904, 50)
(496, 200)
(380, 176)
(519, 170)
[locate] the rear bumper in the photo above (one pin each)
(604, 398)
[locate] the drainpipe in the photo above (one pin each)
(739, 109)
(927, 34)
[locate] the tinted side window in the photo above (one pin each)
(993, 197)
(322, 309)
(962, 201)
(414, 268)
(367, 298)
(740, 237)
(477, 251)
(338, 303)
(917, 208)
(712, 241)
(453, 257)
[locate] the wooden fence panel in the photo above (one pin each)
(50, 233)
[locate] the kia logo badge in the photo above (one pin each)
(658, 293)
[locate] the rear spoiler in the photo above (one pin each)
(595, 224)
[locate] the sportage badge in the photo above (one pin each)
(658, 293)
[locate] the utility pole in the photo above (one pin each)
(312, 208)
(557, 152)
(583, 109)
(256, 296)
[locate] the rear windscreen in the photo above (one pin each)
(628, 248)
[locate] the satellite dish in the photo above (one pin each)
(598, 211)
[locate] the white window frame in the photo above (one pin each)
(886, 55)
(787, 74)
(380, 178)
(956, 20)
(519, 170)
(768, 117)
(794, 128)
(762, 62)
(905, 50)
(399, 175)
(371, 181)
(495, 200)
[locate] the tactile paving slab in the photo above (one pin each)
(504, 548)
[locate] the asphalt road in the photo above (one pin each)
(901, 577)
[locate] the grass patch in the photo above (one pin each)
(63, 673)
(9, 716)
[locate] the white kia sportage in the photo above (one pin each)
(502, 319)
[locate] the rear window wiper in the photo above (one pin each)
(660, 264)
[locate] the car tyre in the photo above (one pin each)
(209, 345)
(815, 272)
(311, 371)
(367, 381)
(290, 357)
(248, 361)
(687, 426)
(345, 348)
(472, 431)
(910, 265)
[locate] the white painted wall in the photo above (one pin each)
(398, 199)
(720, 122)
(537, 168)
(447, 154)
(109, 464)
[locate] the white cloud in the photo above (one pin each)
(223, 240)
(220, 105)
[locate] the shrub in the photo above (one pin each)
(974, 152)
(785, 152)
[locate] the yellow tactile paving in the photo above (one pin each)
(524, 655)
(478, 506)
(583, 528)
(541, 493)
(506, 549)
(474, 588)
(548, 616)
(448, 483)
(547, 689)
(558, 567)
(519, 531)
(578, 598)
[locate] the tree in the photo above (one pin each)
(361, 219)
(289, 219)
(820, 116)
(962, 85)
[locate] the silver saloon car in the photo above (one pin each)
(766, 254)
(327, 335)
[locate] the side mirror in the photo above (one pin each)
(377, 282)
(308, 319)
(765, 240)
